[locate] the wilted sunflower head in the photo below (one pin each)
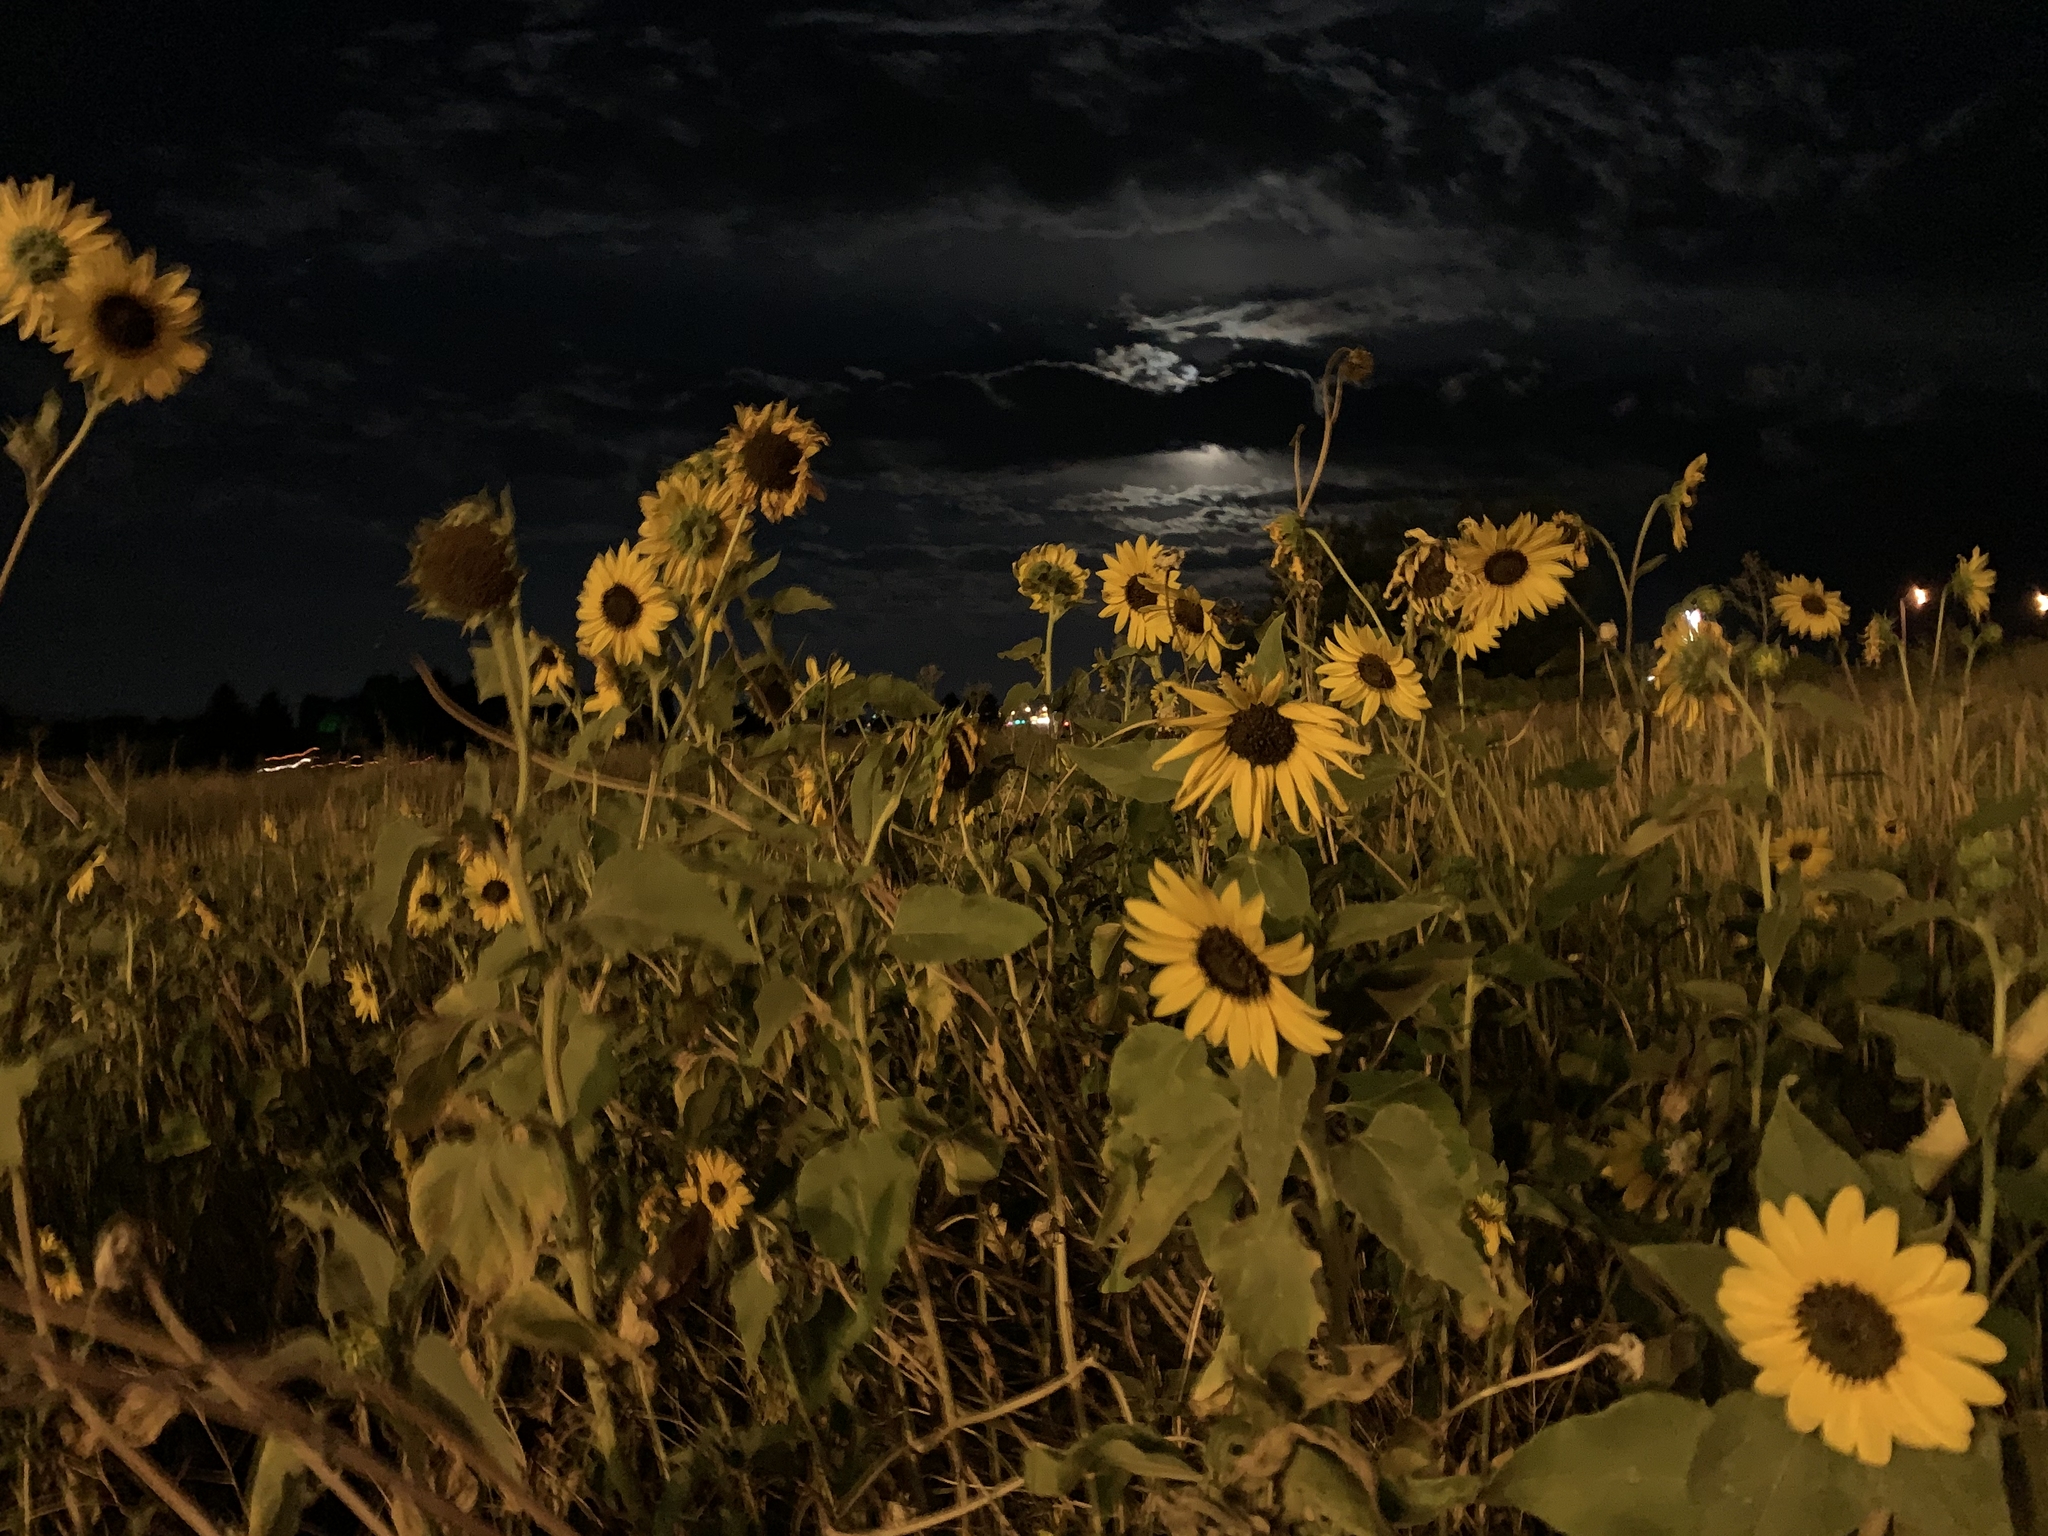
(1679, 499)
(464, 564)
(766, 458)
(125, 328)
(1426, 577)
(43, 235)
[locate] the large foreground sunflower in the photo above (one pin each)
(1809, 609)
(1867, 1343)
(1217, 967)
(1245, 740)
(1972, 583)
(43, 235)
(1138, 580)
(1050, 578)
(131, 330)
(1366, 671)
(766, 454)
(623, 609)
(1514, 572)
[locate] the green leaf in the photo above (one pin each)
(1798, 1158)
(1618, 1472)
(359, 1267)
(180, 1133)
(536, 1315)
(1879, 886)
(1691, 1272)
(646, 899)
(590, 1069)
(753, 1294)
(1317, 1487)
(1265, 1279)
(1996, 815)
(1824, 707)
(1370, 1092)
(437, 1366)
(1524, 964)
(17, 1081)
(1270, 660)
(797, 600)
(1272, 1110)
(1397, 1176)
(1939, 1053)
(277, 1494)
(1581, 773)
(491, 1201)
(1275, 873)
(780, 1000)
(1775, 928)
(1803, 1027)
(1371, 922)
(1752, 1475)
(969, 1159)
(1125, 768)
(854, 1197)
(1938, 1493)
(399, 842)
(1718, 997)
(490, 675)
(936, 924)
(1168, 1102)
(895, 697)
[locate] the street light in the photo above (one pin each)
(2041, 605)
(1919, 595)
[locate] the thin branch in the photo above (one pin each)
(928, 1522)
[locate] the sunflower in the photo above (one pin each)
(491, 896)
(269, 828)
(1972, 583)
(766, 455)
(1806, 848)
(1469, 636)
(125, 326)
(1051, 578)
(362, 993)
(551, 671)
(1196, 634)
(1891, 831)
(623, 609)
(1570, 530)
(1809, 609)
(1692, 672)
(959, 756)
(1216, 966)
(1878, 640)
(1516, 572)
(43, 235)
(1368, 671)
(693, 527)
(1426, 578)
(1866, 1342)
(1138, 579)
(194, 906)
(606, 697)
(81, 883)
(719, 1182)
(463, 564)
(427, 908)
(1245, 740)
(658, 1211)
(1652, 1171)
(1488, 1214)
(831, 677)
(1679, 499)
(60, 1271)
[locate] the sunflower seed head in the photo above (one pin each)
(465, 565)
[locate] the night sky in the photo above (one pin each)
(1043, 270)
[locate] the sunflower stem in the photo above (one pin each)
(2002, 978)
(40, 489)
(1940, 619)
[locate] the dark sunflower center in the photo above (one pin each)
(1432, 578)
(495, 893)
(545, 662)
(1187, 614)
(1374, 672)
(1139, 595)
(1505, 567)
(429, 901)
(771, 461)
(620, 606)
(125, 323)
(1814, 604)
(1230, 965)
(1799, 853)
(465, 568)
(39, 254)
(1849, 1331)
(715, 1192)
(1261, 735)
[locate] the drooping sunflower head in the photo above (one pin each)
(362, 993)
(605, 696)
(126, 328)
(623, 608)
(1250, 740)
(44, 236)
(1050, 578)
(1138, 582)
(491, 896)
(719, 1184)
(1570, 531)
(766, 459)
(1878, 640)
(1514, 572)
(958, 755)
(1678, 501)
(464, 565)
(1869, 1343)
(1196, 634)
(1972, 583)
(693, 527)
(1488, 1213)
(1217, 967)
(427, 907)
(1809, 609)
(1367, 670)
(549, 670)
(1810, 850)
(1692, 672)
(85, 877)
(1426, 578)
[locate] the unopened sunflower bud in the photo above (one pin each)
(33, 443)
(120, 1257)
(1767, 663)
(1991, 633)
(1608, 634)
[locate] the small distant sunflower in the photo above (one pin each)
(87, 876)
(1869, 1343)
(766, 455)
(1368, 671)
(1050, 577)
(362, 993)
(693, 526)
(1138, 580)
(1217, 967)
(491, 896)
(1167, 703)
(1245, 740)
(1196, 634)
(1806, 848)
(1809, 609)
(129, 329)
(427, 908)
(1488, 1213)
(1972, 583)
(1516, 572)
(1692, 673)
(606, 697)
(551, 672)
(1891, 831)
(61, 1279)
(623, 609)
(1652, 1171)
(719, 1183)
(43, 236)
(1878, 640)
(1426, 578)
(464, 565)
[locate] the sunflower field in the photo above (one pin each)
(1307, 1085)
